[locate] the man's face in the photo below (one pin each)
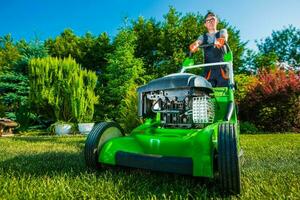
(211, 23)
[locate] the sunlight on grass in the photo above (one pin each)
(44, 167)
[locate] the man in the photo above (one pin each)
(216, 75)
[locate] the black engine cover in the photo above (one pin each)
(177, 81)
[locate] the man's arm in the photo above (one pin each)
(194, 46)
(223, 38)
(224, 34)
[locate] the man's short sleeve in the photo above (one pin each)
(200, 39)
(223, 33)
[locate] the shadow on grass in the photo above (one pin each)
(144, 183)
(49, 163)
(136, 182)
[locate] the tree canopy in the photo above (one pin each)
(284, 43)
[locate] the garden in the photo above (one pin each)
(71, 80)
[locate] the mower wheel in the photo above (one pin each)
(101, 133)
(228, 159)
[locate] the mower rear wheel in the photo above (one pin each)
(228, 159)
(101, 133)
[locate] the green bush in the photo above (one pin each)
(245, 83)
(247, 127)
(14, 103)
(128, 118)
(61, 87)
(14, 90)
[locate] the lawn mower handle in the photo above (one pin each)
(201, 46)
(229, 64)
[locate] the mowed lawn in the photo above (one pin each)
(50, 167)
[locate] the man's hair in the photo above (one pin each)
(209, 13)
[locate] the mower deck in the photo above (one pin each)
(186, 151)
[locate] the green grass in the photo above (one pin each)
(44, 167)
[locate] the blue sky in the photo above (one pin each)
(47, 18)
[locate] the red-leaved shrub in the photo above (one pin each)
(274, 103)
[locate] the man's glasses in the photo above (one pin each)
(210, 20)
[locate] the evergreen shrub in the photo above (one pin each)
(60, 87)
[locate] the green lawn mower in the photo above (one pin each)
(189, 128)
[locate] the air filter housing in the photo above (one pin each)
(203, 110)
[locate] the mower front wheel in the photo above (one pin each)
(228, 159)
(101, 133)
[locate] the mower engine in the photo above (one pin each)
(183, 101)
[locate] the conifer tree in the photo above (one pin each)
(124, 73)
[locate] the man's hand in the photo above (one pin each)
(219, 43)
(194, 47)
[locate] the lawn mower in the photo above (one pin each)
(189, 128)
